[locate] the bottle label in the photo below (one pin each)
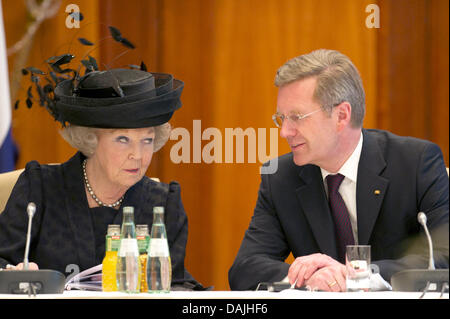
(143, 243)
(112, 243)
(158, 247)
(128, 246)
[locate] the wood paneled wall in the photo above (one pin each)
(227, 53)
(413, 78)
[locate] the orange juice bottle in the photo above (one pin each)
(109, 281)
(143, 239)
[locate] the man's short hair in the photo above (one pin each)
(338, 80)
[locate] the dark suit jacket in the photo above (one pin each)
(292, 212)
(63, 230)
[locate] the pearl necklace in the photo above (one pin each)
(91, 192)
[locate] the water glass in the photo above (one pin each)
(357, 261)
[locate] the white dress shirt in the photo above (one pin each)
(348, 187)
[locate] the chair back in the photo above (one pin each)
(7, 182)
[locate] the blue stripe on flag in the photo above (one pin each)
(8, 154)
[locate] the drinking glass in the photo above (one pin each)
(357, 261)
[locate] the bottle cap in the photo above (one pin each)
(142, 230)
(128, 210)
(158, 209)
(113, 230)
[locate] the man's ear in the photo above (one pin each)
(343, 113)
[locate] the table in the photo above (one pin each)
(233, 295)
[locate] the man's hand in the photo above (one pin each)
(304, 267)
(330, 278)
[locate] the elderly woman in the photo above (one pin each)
(116, 119)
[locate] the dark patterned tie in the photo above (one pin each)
(342, 224)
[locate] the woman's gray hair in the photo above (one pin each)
(85, 139)
(338, 80)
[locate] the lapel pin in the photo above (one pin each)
(377, 192)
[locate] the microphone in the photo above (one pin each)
(422, 219)
(31, 209)
(430, 279)
(44, 281)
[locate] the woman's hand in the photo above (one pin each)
(31, 266)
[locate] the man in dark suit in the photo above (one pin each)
(340, 185)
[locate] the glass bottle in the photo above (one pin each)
(159, 267)
(109, 282)
(143, 239)
(128, 255)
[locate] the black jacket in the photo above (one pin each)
(63, 231)
(292, 212)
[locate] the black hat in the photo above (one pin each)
(118, 98)
(113, 98)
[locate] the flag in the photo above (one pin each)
(8, 150)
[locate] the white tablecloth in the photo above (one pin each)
(287, 294)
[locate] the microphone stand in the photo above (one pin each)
(425, 280)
